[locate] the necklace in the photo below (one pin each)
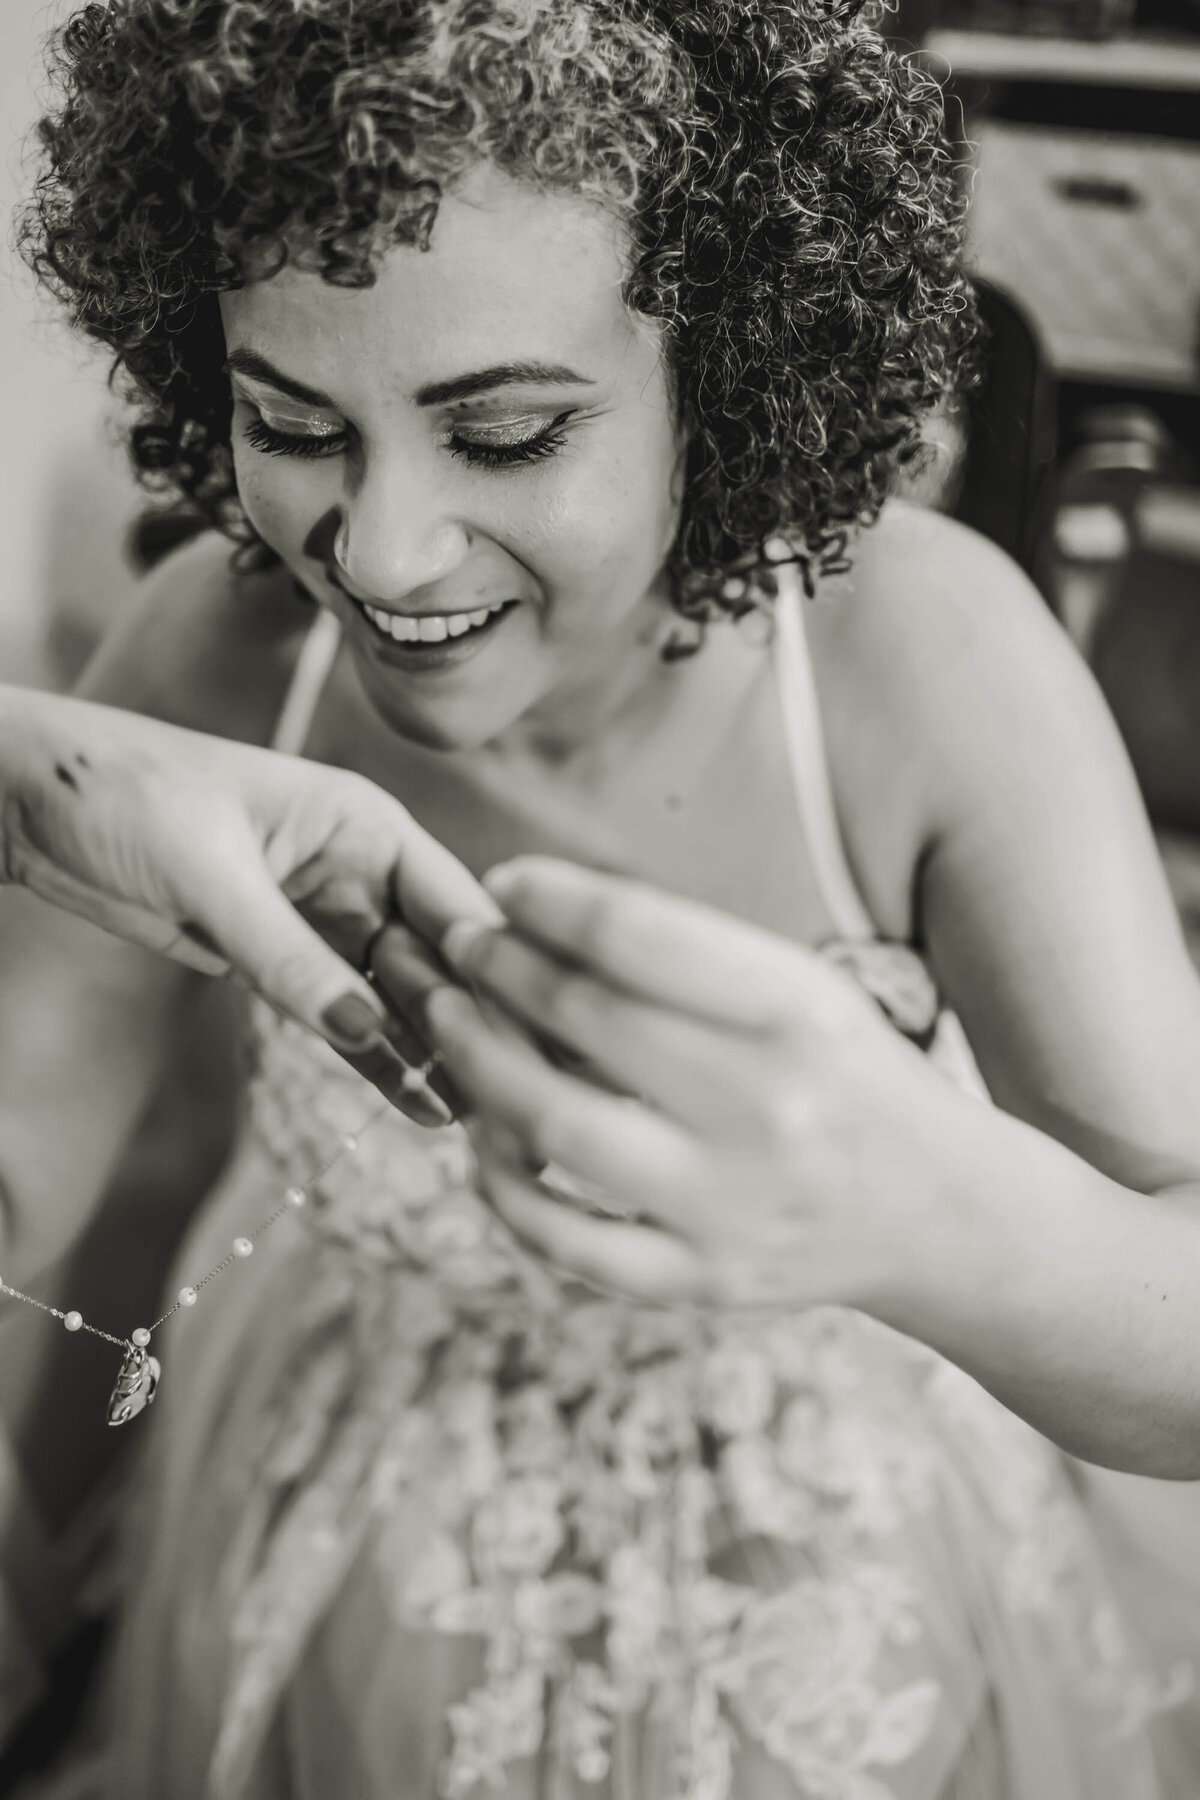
(138, 1377)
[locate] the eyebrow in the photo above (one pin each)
(481, 381)
(249, 362)
(434, 393)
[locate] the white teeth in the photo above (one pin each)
(432, 628)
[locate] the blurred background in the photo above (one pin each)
(66, 492)
(69, 503)
(1076, 126)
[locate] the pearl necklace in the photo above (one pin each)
(138, 1377)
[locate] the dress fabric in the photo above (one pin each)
(423, 1521)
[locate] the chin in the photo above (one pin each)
(448, 723)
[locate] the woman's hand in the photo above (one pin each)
(773, 1140)
(225, 856)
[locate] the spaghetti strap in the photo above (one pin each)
(309, 676)
(800, 710)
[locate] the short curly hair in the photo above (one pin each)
(789, 203)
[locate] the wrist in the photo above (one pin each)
(1064, 1293)
(956, 1241)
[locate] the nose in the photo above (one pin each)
(395, 536)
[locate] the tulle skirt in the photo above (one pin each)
(382, 1547)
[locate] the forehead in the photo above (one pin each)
(510, 275)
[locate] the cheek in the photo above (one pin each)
(281, 501)
(616, 515)
(650, 475)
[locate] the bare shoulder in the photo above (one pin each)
(929, 607)
(971, 739)
(204, 644)
(948, 689)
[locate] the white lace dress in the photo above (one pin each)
(423, 1521)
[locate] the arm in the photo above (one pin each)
(1074, 1292)
(1053, 1249)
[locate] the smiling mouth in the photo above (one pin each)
(431, 630)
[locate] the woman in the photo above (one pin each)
(547, 347)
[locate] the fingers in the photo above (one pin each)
(636, 1261)
(234, 899)
(405, 973)
(432, 888)
(324, 827)
(232, 896)
(396, 1065)
(405, 970)
(646, 1163)
(660, 947)
(708, 1079)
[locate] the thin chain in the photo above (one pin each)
(348, 1143)
(56, 1313)
(294, 1198)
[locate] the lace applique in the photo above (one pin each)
(403, 1196)
(497, 1725)
(804, 1676)
(708, 1529)
(578, 1495)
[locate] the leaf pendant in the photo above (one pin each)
(136, 1383)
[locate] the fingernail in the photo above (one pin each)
(422, 1105)
(447, 1008)
(501, 881)
(352, 1023)
(460, 940)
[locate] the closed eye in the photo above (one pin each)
(499, 453)
(483, 453)
(271, 442)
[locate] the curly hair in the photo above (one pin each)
(781, 175)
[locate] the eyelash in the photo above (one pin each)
(262, 436)
(269, 442)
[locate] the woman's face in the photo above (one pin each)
(473, 462)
